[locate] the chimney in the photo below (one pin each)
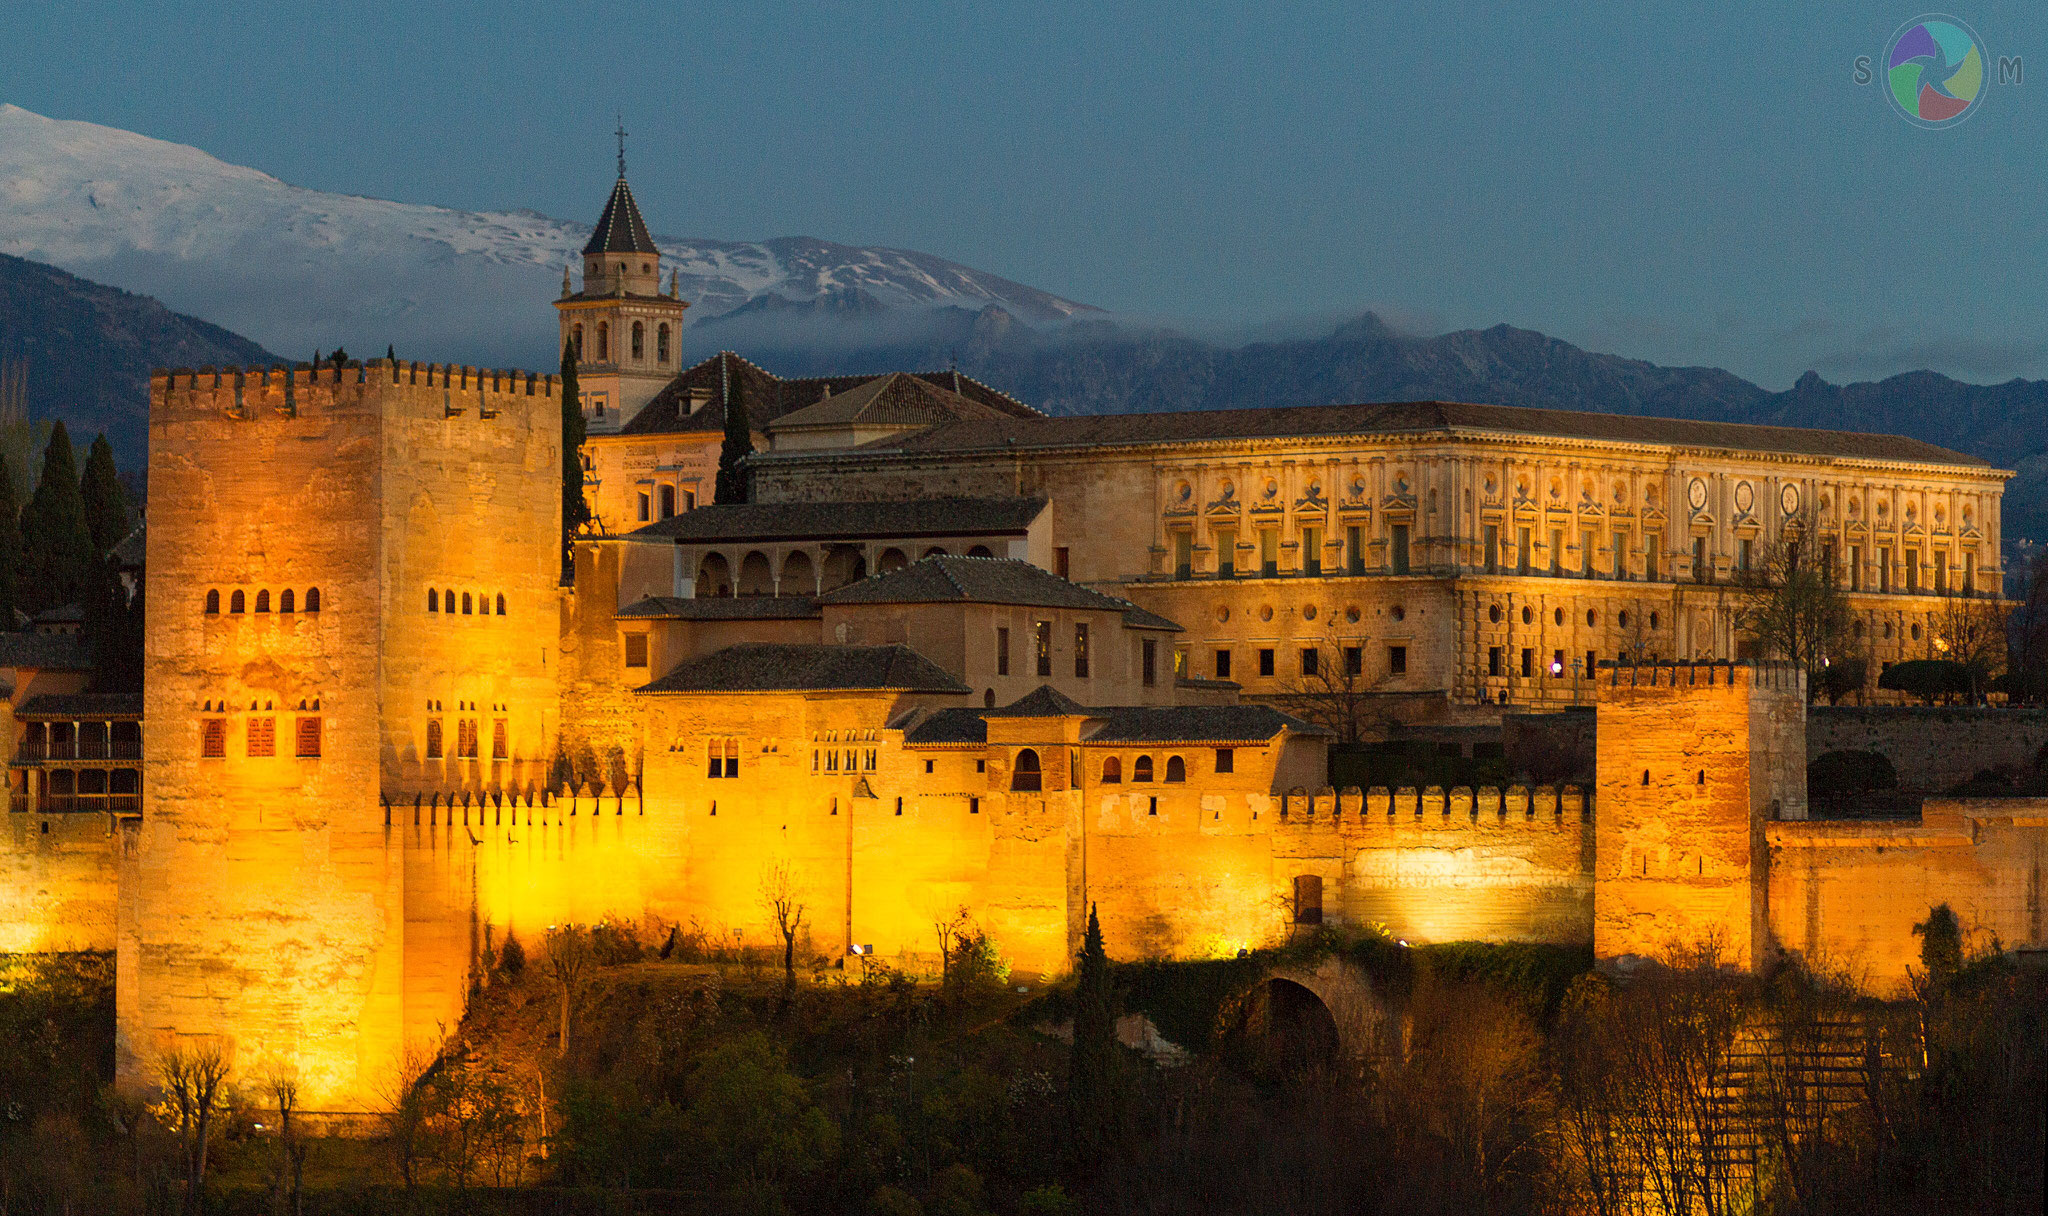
(698, 398)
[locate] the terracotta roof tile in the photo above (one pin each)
(988, 580)
(762, 521)
(770, 667)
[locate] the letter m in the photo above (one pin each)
(2008, 69)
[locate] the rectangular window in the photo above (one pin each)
(1308, 899)
(1312, 551)
(1269, 552)
(1226, 553)
(1653, 552)
(500, 749)
(465, 738)
(1702, 569)
(1884, 568)
(1148, 661)
(1745, 552)
(1002, 650)
(714, 753)
(1827, 559)
(1557, 662)
(1222, 664)
(1969, 574)
(1556, 551)
(1080, 650)
(1528, 662)
(1521, 550)
(1491, 542)
(1855, 567)
(1311, 661)
(1226, 760)
(262, 737)
(1180, 662)
(1912, 572)
(1354, 550)
(1941, 574)
(643, 508)
(1586, 547)
(1400, 547)
(1060, 560)
(689, 500)
(1397, 660)
(1042, 635)
(732, 758)
(309, 738)
(1617, 561)
(1354, 660)
(668, 502)
(1592, 663)
(636, 650)
(1266, 661)
(1493, 660)
(1183, 555)
(213, 738)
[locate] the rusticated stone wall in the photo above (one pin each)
(1933, 748)
(58, 881)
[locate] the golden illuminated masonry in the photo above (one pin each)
(954, 655)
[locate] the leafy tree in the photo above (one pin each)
(106, 503)
(57, 546)
(1941, 945)
(1927, 679)
(753, 1121)
(1838, 773)
(575, 508)
(113, 628)
(1093, 1077)
(738, 445)
(1841, 677)
(1793, 609)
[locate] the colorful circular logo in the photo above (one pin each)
(1934, 70)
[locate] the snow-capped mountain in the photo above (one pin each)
(298, 269)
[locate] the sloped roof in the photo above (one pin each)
(82, 706)
(722, 608)
(988, 580)
(620, 228)
(1283, 422)
(46, 651)
(938, 727)
(768, 396)
(771, 667)
(892, 400)
(1045, 701)
(1197, 724)
(764, 521)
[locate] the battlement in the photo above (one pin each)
(1434, 807)
(251, 393)
(1772, 675)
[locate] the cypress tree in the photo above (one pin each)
(738, 445)
(57, 551)
(106, 503)
(10, 546)
(575, 509)
(113, 629)
(1093, 1089)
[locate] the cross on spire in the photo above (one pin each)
(622, 145)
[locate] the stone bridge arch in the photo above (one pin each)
(1321, 1014)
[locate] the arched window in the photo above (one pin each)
(1026, 776)
(604, 341)
(448, 600)
(661, 343)
(1112, 771)
(213, 603)
(465, 603)
(312, 599)
(1142, 770)
(263, 600)
(236, 603)
(433, 600)
(576, 339)
(639, 340)
(1176, 769)
(980, 551)
(433, 738)
(501, 603)
(285, 603)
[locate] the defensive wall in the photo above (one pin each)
(1932, 748)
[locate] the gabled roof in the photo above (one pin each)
(893, 400)
(765, 521)
(988, 580)
(620, 229)
(768, 396)
(1045, 701)
(45, 651)
(722, 608)
(1406, 417)
(770, 667)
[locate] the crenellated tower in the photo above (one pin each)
(626, 330)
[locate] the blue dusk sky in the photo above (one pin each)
(1683, 183)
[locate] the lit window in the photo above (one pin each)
(1042, 633)
(309, 733)
(1081, 651)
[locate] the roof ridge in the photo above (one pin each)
(958, 587)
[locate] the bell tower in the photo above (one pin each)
(625, 330)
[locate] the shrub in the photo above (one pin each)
(512, 957)
(1927, 679)
(615, 942)
(1841, 773)
(1840, 678)
(1049, 1200)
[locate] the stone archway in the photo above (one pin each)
(1309, 1017)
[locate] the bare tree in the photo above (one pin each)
(288, 1156)
(570, 963)
(782, 896)
(2028, 658)
(1972, 632)
(193, 1079)
(1334, 692)
(406, 1117)
(1791, 607)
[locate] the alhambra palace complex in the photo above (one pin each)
(952, 654)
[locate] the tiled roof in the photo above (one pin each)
(768, 667)
(892, 400)
(82, 706)
(1045, 701)
(722, 608)
(765, 521)
(1287, 422)
(48, 651)
(620, 229)
(1197, 724)
(768, 397)
(931, 728)
(988, 580)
